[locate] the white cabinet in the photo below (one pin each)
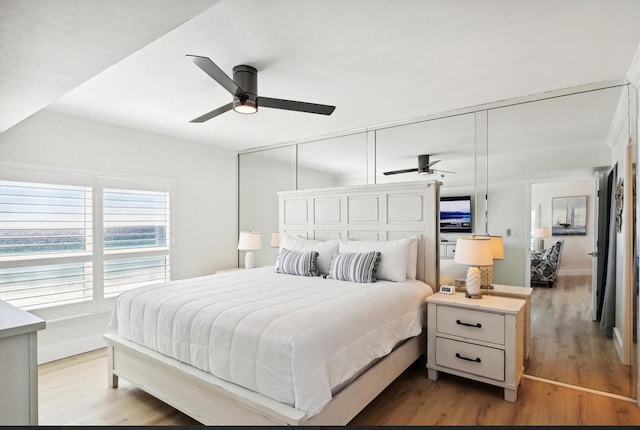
(18, 366)
(480, 339)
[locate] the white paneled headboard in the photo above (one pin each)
(369, 212)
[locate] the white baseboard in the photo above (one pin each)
(617, 342)
(72, 347)
(71, 336)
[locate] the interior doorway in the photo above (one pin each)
(566, 331)
(564, 210)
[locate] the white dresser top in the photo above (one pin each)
(14, 321)
(486, 303)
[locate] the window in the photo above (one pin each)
(45, 243)
(136, 244)
(64, 244)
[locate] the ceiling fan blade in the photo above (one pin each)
(212, 69)
(213, 113)
(297, 106)
(397, 172)
(443, 171)
(434, 162)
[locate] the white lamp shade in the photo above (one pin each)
(497, 247)
(250, 241)
(473, 251)
(275, 240)
(541, 232)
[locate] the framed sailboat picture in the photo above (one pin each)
(569, 216)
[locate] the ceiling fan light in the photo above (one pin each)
(247, 106)
(424, 172)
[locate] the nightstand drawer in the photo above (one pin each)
(476, 325)
(470, 358)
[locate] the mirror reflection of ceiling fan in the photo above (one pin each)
(424, 167)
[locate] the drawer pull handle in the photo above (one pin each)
(477, 325)
(476, 360)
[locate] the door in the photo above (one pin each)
(601, 215)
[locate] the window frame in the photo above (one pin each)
(97, 182)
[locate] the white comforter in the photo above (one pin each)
(290, 338)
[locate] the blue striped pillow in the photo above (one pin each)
(301, 263)
(354, 266)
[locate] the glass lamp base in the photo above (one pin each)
(486, 277)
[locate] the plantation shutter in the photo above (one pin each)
(46, 244)
(136, 237)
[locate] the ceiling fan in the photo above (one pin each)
(244, 89)
(424, 167)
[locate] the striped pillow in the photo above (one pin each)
(301, 263)
(354, 267)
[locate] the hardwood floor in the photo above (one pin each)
(74, 391)
(567, 345)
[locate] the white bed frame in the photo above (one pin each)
(370, 212)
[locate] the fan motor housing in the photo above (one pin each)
(246, 77)
(423, 164)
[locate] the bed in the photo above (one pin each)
(296, 350)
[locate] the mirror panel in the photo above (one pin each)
(554, 136)
(334, 162)
(450, 140)
(553, 148)
(261, 176)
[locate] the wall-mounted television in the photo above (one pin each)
(455, 214)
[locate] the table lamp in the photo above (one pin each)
(497, 253)
(275, 240)
(473, 251)
(540, 234)
(249, 241)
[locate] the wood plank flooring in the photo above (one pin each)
(74, 391)
(567, 345)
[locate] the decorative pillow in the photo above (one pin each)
(395, 254)
(324, 249)
(303, 263)
(354, 266)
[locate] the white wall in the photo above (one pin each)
(508, 218)
(575, 259)
(204, 204)
(619, 141)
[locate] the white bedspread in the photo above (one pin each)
(290, 338)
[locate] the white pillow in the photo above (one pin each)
(393, 261)
(325, 249)
(412, 261)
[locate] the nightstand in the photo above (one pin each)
(480, 339)
(523, 293)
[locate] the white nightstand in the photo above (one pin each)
(523, 293)
(480, 339)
